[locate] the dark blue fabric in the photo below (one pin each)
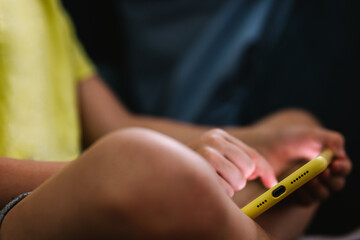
(185, 56)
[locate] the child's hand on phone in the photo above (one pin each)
(332, 179)
(234, 161)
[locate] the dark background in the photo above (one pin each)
(315, 66)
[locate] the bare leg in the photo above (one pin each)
(133, 184)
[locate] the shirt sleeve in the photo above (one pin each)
(83, 67)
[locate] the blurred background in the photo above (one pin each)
(232, 62)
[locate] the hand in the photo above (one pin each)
(320, 188)
(283, 146)
(233, 160)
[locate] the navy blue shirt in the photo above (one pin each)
(189, 59)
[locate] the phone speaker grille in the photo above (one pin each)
(300, 176)
(262, 203)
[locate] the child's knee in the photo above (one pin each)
(145, 147)
(178, 206)
(156, 185)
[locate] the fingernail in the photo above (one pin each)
(274, 183)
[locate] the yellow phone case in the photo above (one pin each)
(289, 184)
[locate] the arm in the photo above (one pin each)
(101, 114)
(104, 113)
(198, 210)
(276, 137)
(281, 137)
(19, 176)
(288, 116)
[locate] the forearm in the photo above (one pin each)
(19, 176)
(104, 113)
(291, 116)
(185, 132)
(180, 131)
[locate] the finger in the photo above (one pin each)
(226, 186)
(333, 140)
(341, 166)
(336, 183)
(333, 182)
(265, 172)
(309, 150)
(326, 174)
(318, 190)
(226, 169)
(250, 151)
(302, 196)
(268, 178)
(234, 153)
(263, 168)
(239, 158)
(314, 140)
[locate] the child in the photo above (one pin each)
(132, 183)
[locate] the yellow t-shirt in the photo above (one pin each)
(40, 65)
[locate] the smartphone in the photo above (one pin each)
(289, 184)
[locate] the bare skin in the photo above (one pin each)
(104, 114)
(115, 190)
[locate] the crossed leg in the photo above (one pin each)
(132, 184)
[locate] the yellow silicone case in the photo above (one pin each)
(289, 184)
